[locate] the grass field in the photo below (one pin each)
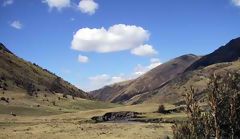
(70, 118)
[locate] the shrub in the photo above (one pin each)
(4, 99)
(222, 120)
(161, 109)
(54, 103)
(13, 114)
(64, 96)
(30, 89)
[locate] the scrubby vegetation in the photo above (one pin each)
(161, 109)
(221, 117)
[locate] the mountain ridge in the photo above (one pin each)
(227, 53)
(167, 81)
(149, 81)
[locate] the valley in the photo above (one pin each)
(119, 69)
(49, 122)
(36, 103)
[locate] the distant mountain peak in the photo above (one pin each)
(187, 56)
(233, 41)
(227, 53)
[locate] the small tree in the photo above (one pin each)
(30, 89)
(54, 103)
(194, 127)
(161, 109)
(64, 95)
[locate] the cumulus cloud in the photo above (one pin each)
(154, 62)
(98, 81)
(101, 80)
(88, 6)
(7, 2)
(236, 2)
(16, 24)
(140, 69)
(116, 38)
(59, 4)
(83, 59)
(144, 50)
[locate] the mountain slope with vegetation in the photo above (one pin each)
(157, 77)
(223, 60)
(17, 74)
(168, 82)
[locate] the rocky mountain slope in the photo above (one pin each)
(17, 74)
(157, 77)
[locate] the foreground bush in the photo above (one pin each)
(221, 119)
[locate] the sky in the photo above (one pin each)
(93, 43)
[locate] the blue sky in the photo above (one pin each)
(91, 43)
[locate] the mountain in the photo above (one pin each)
(225, 58)
(155, 78)
(17, 74)
(229, 52)
(168, 82)
(173, 91)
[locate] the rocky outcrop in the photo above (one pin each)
(116, 116)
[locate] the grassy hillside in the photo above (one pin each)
(198, 79)
(22, 104)
(17, 74)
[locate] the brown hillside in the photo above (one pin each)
(16, 73)
(152, 80)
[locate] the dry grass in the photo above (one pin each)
(73, 125)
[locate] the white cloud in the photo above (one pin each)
(83, 59)
(88, 6)
(7, 2)
(154, 62)
(59, 4)
(140, 70)
(16, 24)
(98, 81)
(236, 2)
(117, 38)
(144, 50)
(102, 80)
